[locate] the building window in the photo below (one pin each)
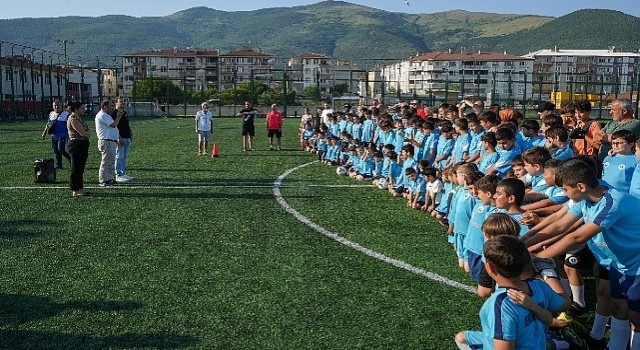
(47, 79)
(8, 76)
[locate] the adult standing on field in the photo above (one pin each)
(77, 147)
(248, 114)
(274, 127)
(326, 112)
(124, 142)
(108, 136)
(621, 119)
(60, 134)
(204, 128)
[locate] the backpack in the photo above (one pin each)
(44, 170)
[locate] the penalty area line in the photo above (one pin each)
(277, 185)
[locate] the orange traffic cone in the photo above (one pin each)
(214, 151)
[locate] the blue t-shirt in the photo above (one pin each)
(406, 164)
(332, 152)
(538, 184)
(418, 151)
(463, 210)
(562, 153)
(366, 166)
(321, 145)
(503, 165)
(521, 141)
(398, 139)
(367, 130)
(556, 195)
(430, 143)
(474, 240)
(596, 244)
(447, 196)
(618, 170)
(501, 319)
(487, 161)
(445, 147)
(394, 172)
(538, 141)
(463, 142)
(476, 142)
(356, 131)
(418, 186)
(634, 186)
(386, 138)
(617, 215)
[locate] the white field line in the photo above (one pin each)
(394, 262)
(185, 187)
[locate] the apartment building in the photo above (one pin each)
(450, 75)
(584, 71)
(240, 66)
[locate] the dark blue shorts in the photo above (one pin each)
(625, 287)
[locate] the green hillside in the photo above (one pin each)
(336, 28)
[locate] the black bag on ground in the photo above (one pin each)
(44, 170)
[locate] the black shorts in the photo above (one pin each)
(485, 280)
(248, 130)
(274, 132)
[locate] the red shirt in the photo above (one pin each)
(274, 120)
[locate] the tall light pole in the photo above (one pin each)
(64, 43)
(1, 93)
(13, 91)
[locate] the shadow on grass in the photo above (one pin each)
(18, 309)
(25, 229)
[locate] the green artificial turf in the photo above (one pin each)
(196, 253)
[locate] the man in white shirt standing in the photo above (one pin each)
(108, 138)
(326, 111)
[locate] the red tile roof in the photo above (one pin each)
(246, 53)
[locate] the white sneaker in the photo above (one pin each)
(128, 177)
(121, 179)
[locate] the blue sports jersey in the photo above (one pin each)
(475, 237)
(503, 165)
(596, 244)
(616, 214)
(321, 145)
(418, 186)
(394, 172)
(332, 153)
(562, 153)
(521, 141)
(386, 137)
(430, 144)
(501, 319)
(342, 125)
(366, 166)
(538, 141)
(367, 130)
(377, 168)
(538, 184)
(418, 150)
(398, 139)
(356, 131)
(476, 142)
(487, 161)
(445, 147)
(618, 170)
(634, 186)
(447, 196)
(349, 128)
(556, 195)
(406, 164)
(461, 146)
(308, 134)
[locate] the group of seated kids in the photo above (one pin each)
(526, 208)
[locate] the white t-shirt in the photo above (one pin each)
(103, 130)
(435, 188)
(325, 114)
(204, 120)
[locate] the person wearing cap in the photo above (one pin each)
(545, 108)
(204, 128)
(274, 126)
(416, 108)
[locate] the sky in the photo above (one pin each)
(146, 8)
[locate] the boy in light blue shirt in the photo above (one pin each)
(430, 141)
(505, 324)
(530, 129)
(558, 142)
(509, 196)
(463, 142)
(367, 127)
(445, 147)
(477, 132)
(614, 214)
(506, 140)
(534, 160)
(489, 155)
(618, 167)
(417, 189)
(400, 187)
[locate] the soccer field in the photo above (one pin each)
(245, 251)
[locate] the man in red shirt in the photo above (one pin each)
(416, 106)
(274, 126)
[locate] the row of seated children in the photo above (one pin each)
(508, 194)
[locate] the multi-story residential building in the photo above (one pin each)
(449, 75)
(584, 71)
(323, 72)
(190, 69)
(241, 66)
(28, 87)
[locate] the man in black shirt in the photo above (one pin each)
(124, 142)
(248, 114)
